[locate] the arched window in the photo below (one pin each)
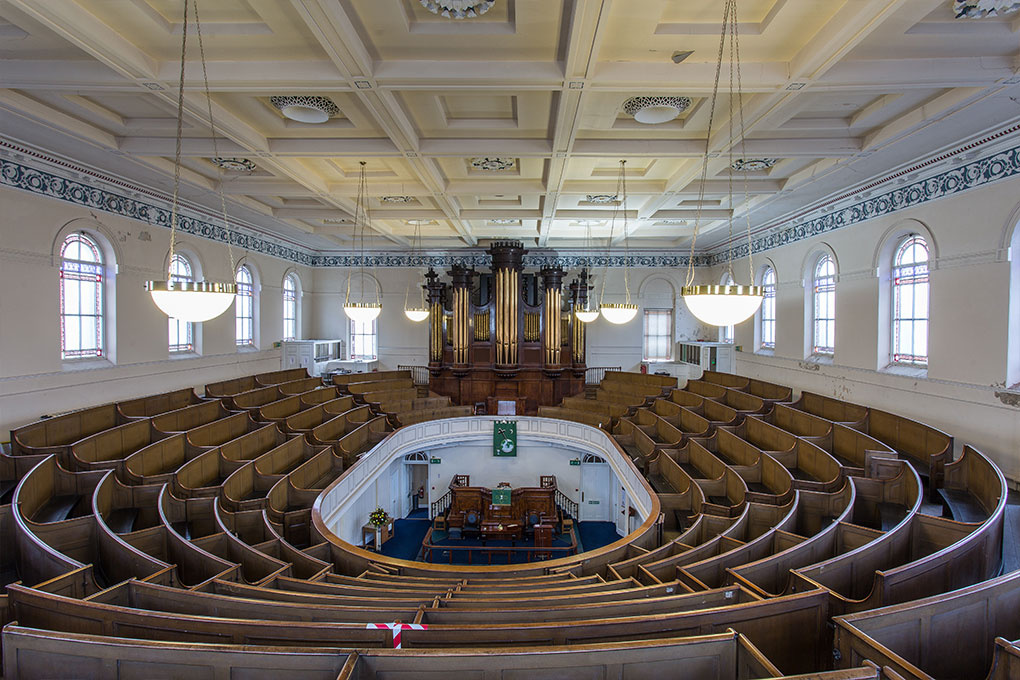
(244, 307)
(768, 309)
(290, 307)
(81, 298)
(182, 333)
(910, 302)
(726, 332)
(824, 341)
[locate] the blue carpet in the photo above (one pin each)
(407, 537)
(594, 535)
(420, 513)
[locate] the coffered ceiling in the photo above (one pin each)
(839, 93)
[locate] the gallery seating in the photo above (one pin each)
(182, 535)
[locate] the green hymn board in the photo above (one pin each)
(504, 438)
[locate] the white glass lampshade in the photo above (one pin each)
(723, 305)
(416, 315)
(362, 311)
(192, 301)
(586, 315)
(618, 313)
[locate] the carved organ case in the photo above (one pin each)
(498, 331)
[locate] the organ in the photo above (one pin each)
(507, 334)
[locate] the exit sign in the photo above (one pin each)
(435, 461)
(575, 461)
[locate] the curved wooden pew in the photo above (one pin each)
(56, 434)
(341, 379)
(146, 407)
(417, 416)
(927, 448)
(189, 417)
(585, 417)
(106, 449)
(843, 412)
(307, 420)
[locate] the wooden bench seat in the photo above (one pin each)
(57, 434)
(221, 431)
(584, 417)
(360, 388)
(108, 448)
(308, 419)
(836, 410)
(421, 415)
(146, 407)
(189, 417)
(342, 379)
(927, 448)
(278, 411)
(332, 430)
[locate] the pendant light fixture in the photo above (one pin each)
(724, 305)
(619, 312)
(361, 311)
(420, 313)
(586, 314)
(192, 301)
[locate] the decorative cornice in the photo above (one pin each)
(997, 166)
(56, 178)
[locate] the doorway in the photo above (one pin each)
(596, 489)
(416, 466)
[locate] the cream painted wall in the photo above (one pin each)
(33, 379)
(970, 283)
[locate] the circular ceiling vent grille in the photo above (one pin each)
(458, 9)
(306, 108)
(493, 164)
(753, 164)
(655, 110)
(505, 222)
(601, 198)
(234, 164)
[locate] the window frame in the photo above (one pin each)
(354, 334)
(914, 280)
(828, 282)
(174, 326)
(667, 335)
(767, 320)
(244, 301)
(291, 296)
(76, 272)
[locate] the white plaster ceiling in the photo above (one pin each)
(840, 92)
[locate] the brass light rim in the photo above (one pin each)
(191, 287)
(618, 305)
(748, 291)
(362, 305)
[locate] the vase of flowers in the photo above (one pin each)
(378, 518)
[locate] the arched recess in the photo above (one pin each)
(882, 264)
(292, 275)
(808, 267)
(1012, 246)
(658, 294)
(111, 255)
(765, 266)
(256, 276)
(194, 257)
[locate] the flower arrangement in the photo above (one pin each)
(378, 517)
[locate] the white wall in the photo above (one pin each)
(33, 379)
(970, 282)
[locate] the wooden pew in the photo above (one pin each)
(584, 417)
(402, 405)
(307, 420)
(146, 407)
(363, 438)
(246, 487)
(811, 467)
(950, 635)
(12, 469)
(277, 377)
(301, 386)
(189, 417)
(685, 420)
(765, 479)
(838, 411)
(743, 403)
(736, 382)
(156, 463)
(334, 429)
(106, 449)
(252, 400)
(227, 388)
(278, 411)
(716, 413)
(376, 399)
(421, 415)
(927, 448)
(342, 379)
(603, 408)
(360, 388)
(220, 432)
(58, 433)
(770, 391)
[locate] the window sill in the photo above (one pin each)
(907, 370)
(89, 364)
(175, 356)
(766, 352)
(247, 348)
(825, 359)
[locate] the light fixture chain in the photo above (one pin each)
(743, 152)
(212, 131)
(731, 7)
(609, 243)
(177, 151)
(708, 142)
